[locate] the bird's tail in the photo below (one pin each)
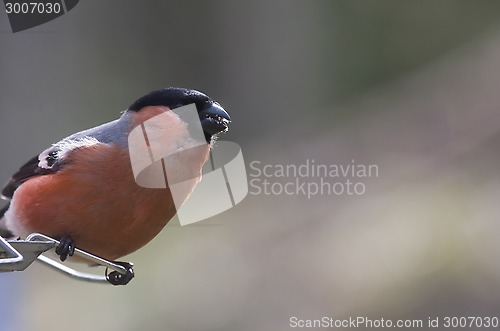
(3, 229)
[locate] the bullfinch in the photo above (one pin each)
(82, 190)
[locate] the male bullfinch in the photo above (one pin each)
(82, 191)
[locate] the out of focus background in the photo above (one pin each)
(412, 87)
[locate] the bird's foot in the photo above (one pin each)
(65, 248)
(116, 278)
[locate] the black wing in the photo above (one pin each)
(28, 170)
(115, 131)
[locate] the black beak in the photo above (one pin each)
(214, 119)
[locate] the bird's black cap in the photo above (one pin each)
(172, 97)
(214, 119)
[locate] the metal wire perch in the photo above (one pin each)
(17, 255)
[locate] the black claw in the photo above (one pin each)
(66, 247)
(117, 278)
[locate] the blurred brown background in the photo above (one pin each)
(409, 86)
